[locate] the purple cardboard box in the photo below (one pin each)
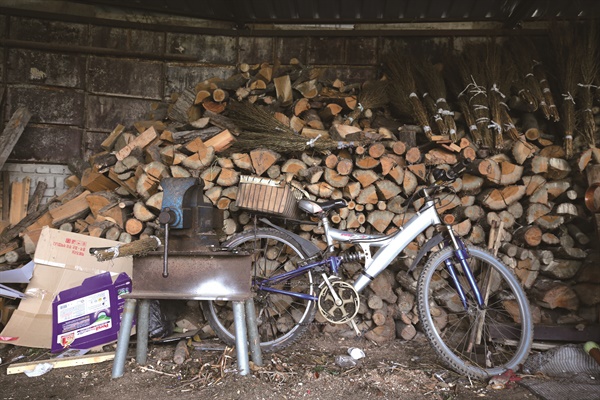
(89, 315)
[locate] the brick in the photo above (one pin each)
(46, 31)
(42, 169)
(256, 50)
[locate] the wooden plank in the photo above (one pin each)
(140, 141)
(12, 132)
(19, 199)
(61, 362)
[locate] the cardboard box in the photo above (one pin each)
(89, 315)
(62, 261)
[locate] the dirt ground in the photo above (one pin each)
(307, 370)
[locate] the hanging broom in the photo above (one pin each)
(524, 82)
(500, 75)
(539, 72)
(456, 88)
(433, 81)
(563, 42)
(250, 117)
(248, 141)
(373, 94)
(587, 54)
(399, 70)
(136, 248)
(475, 91)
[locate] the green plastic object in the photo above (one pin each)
(590, 345)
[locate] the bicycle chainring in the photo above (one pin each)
(339, 313)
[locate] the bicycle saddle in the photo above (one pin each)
(314, 208)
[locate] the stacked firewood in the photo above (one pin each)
(373, 144)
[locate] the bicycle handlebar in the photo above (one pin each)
(441, 176)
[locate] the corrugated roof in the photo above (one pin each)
(244, 12)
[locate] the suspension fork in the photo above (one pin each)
(462, 255)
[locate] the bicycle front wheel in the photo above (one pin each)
(281, 318)
(478, 342)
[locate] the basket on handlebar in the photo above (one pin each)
(268, 196)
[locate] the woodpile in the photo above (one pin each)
(337, 140)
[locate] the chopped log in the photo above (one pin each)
(387, 189)
(366, 162)
(420, 170)
(499, 199)
(134, 226)
(344, 167)
(511, 173)
(293, 166)
(19, 199)
(368, 195)
(228, 177)
(376, 150)
(140, 141)
(562, 269)
(380, 219)
(405, 331)
(221, 141)
(263, 159)
(320, 189)
(71, 210)
(528, 236)
(97, 182)
(410, 183)
(365, 177)
(141, 212)
(331, 161)
(352, 190)
(109, 142)
(554, 294)
(336, 180)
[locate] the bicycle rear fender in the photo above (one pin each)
(431, 243)
(308, 247)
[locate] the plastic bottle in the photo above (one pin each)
(345, 361)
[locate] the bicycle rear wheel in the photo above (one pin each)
(281, 318)
(477, 342)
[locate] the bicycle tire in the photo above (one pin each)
(281, 319)
(454, 338)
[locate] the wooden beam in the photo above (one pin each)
(60, 362)
(19, 199)
(12, 132)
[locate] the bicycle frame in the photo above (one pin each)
(389, 248)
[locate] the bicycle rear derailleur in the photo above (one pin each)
(338, 300)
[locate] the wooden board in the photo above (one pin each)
(19, 199)
(12, 132)
(60, 362)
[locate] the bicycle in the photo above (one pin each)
(464, 294)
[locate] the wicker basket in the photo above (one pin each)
(268, 196)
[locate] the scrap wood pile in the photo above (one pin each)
(373, 144)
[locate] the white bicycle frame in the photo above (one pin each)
(389, 245)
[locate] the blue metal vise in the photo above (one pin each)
(193, 222)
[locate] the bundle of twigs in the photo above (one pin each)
(248, 141)
(373, 94)
(472, 75)
(404, 95)
(136, 248)
(500, 75)
(250, 117)
(524, 82)
(435, 88)
(563, 42)
(587, 54)
(456, 88)
(539, 72)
